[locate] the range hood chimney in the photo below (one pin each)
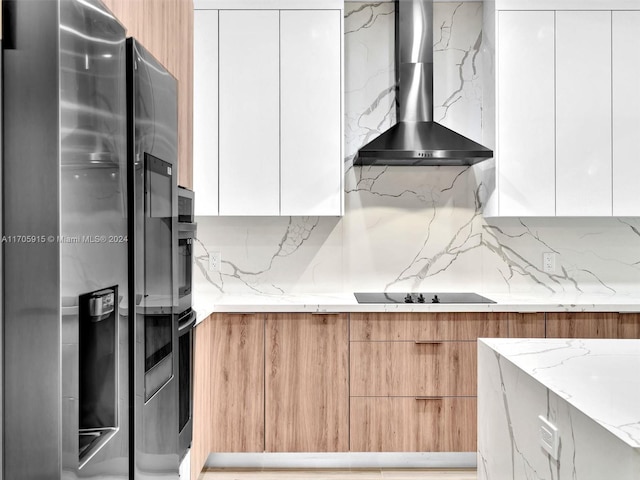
(416, 139)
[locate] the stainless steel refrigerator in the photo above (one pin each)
(153, 216)
(87, 239)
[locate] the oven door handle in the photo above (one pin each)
(187, 227)
(188, 323)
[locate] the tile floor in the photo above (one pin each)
(321, 474)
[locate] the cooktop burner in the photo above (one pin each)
(424, 297)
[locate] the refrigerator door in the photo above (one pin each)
(32, 374)
(152, 150)
(66, 385)
(93, 247)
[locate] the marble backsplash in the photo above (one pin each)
(408, 228)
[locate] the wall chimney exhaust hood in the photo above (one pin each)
(416, 139)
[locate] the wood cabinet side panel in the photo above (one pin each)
(183, 53)
(237, 376)
(307, 389)
(427, 326)
(408, 368)
(165, 28)
(202, 395)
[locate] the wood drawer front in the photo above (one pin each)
(409, 368)
(593, 325)
(527, 325)
(405, 424)
(432, 326)
(629, 325)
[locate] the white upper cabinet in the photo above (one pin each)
(583, 113)
(278, 119)
(311, 138)
(249, 123)
(626, 119)
(566, 114)
(205, 111)
(526, 140)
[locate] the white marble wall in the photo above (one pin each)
(509, 403)
(408, 228)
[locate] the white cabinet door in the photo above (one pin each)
(249, 122)
(626, 113)
(311, 138)
(205, 111)
(526, 113)
(583, 113)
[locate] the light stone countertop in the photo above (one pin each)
(209, 301)
(598, 377)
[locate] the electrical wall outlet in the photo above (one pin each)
(549, 262)
(214, 261)
(549, 437)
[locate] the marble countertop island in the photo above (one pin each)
(588, 389)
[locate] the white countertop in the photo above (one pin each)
(208, 301)
(598, 377)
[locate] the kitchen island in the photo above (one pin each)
(558, 409)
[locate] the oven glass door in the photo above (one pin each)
(185, 206)
(158, 348)
(157, 339)
(185, 348)
(185, 262)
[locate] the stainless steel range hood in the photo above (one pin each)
(416, 139)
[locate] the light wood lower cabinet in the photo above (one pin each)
(367, 382)
(237, 377)
(413, 424)
(275, 383)
(593, 325)
(307, 386)
(414, 376)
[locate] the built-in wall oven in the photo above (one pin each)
(186, 237)
(185, 381)
(186, 317)
(153, 238)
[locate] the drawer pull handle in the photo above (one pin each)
(326, 313)
(429, 398)
(427, 342)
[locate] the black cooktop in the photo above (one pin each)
(424, 297)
